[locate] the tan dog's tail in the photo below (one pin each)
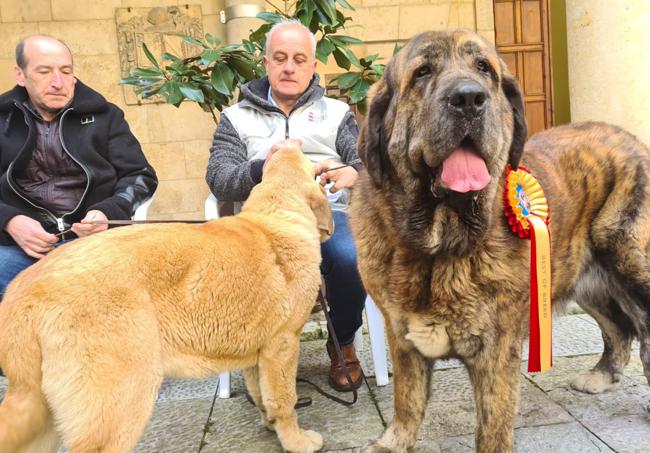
(25, 419)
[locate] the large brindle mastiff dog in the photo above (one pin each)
(435, 249)
(88, 333)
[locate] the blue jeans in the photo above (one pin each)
(12, 261)
(345, 292)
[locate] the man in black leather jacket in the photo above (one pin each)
(67, 158)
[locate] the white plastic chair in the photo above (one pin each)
(373, 317)
(141, 211)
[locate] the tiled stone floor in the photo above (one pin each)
(552, 417)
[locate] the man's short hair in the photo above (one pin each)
(21, 61)
(290, 23)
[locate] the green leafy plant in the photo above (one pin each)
(212, 76)
(208, 78)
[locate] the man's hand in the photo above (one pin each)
(30, 236)
(342, 178)
(288, 143)
(86, 227)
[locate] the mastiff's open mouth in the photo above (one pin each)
(463, 171)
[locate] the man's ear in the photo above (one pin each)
(19, 76)
(512, 92)
(373, 146)
(322, 211)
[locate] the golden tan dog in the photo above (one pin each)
(436, 252)
(89, 332)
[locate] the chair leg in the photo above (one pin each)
(377, 341)
(224, 385)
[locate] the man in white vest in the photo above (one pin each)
(288, 104)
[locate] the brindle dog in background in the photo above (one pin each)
(435, 249)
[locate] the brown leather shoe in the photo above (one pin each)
(337, 379)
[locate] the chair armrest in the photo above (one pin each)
(211, 208)
(141, 211)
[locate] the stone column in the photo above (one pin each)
(240, 18)
(608, 46)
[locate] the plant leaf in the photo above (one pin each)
(171, 92)
(146, 72)
(222, 79)
(348, 39)
(329, 9)
(345, 4)
(323, 49)
(341, 59)
(214, 40)
(269, 17)
(210, 55)
(194, 41)
(359, 91)
(150, 57)
(347, 80)
(170, 57)
(244, 68)
(191, 92)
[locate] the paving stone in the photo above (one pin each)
(564, 437)
(186, 389)
(629, 397)
(176, 426)
(235, 422)
(630, 434)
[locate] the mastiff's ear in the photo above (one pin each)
(372, 147)
(512, 91)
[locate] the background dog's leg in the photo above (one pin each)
(25, 422)
(278, 365)
(412, 384)
(252, 379)
(617, 331)
(494, 373)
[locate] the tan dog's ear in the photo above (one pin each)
(373, 146)
(321, 209)
(512, 91)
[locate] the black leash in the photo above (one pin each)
(321, 299)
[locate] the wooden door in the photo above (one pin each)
(522, 39)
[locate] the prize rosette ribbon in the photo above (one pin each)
(528, 216)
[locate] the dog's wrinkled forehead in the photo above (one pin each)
(439, 49)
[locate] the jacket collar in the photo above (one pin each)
(256, 91)
(85, 100)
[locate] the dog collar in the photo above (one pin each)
(527, 211)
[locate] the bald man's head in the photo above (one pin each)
(21, 58)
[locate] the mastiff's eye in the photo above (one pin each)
(483, 65)
(423, 71)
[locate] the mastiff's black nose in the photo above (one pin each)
(468, 98)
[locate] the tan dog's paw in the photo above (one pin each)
(593, 382)
(306, 442)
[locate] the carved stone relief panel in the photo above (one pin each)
(161, 28)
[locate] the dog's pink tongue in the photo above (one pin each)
(464, 171)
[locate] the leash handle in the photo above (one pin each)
(349, 164)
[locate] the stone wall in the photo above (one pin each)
(382, 23)
(608, 62)
(177, 141)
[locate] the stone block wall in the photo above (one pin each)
(177, 141)
(383, 23)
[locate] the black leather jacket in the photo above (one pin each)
(94, 133)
